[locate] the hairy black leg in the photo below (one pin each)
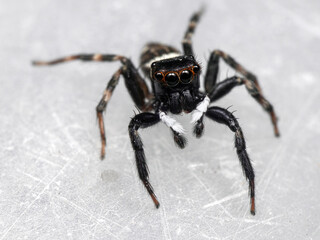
(250, 81)
(142, 120)
(102, 106)
(136, 85)
(224, 87)
(198, 128)
(212, 73)
(187, 42)
(223, 116)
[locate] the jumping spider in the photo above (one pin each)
(174, 77)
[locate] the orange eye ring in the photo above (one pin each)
(171, 79)
(196, 69)
(158, 76)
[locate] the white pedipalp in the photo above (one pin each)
(171, 123)
(200, 109)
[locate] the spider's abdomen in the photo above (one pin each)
(154, 52)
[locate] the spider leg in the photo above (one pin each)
(187, 42)
(142, 120)
(135, 84)
(131, 70)
(216, 91)
(83, 57)
(102, 106)
(137, 88)
(223, 116)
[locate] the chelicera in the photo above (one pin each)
(175, 88)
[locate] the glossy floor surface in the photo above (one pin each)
(52, 182)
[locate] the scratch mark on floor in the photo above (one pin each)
(69, 161)
(210, 194)
(278, 156)
(84, 212)
(131, 221)
(38, 197)
(164, 219)
(252, 226)
(225, 199)
(31, 176)
(306, 26)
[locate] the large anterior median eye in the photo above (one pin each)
(186, 76)
(172, 79)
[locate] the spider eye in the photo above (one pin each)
(186, 76)
(196, 69)
(158, 76)
(172, 79)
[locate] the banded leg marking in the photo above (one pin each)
(82, 57)
(187, 42)
(102, 106)
(250, 81)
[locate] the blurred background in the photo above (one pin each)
(52, 182)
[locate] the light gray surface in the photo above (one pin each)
(52, 183)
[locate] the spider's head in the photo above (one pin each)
(175, 71)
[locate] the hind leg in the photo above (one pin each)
(187, 42)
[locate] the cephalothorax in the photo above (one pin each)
(175, 87)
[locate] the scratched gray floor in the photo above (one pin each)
(52, 183)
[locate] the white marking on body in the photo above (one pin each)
(162, 57)
(171, 122)
(200, 109)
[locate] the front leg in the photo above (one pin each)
(223, 116)
(142, 120)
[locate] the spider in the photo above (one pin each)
(175, 82)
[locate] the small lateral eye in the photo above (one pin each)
(158, 76)
(172, 79)
(196, 69)
(186, 76)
